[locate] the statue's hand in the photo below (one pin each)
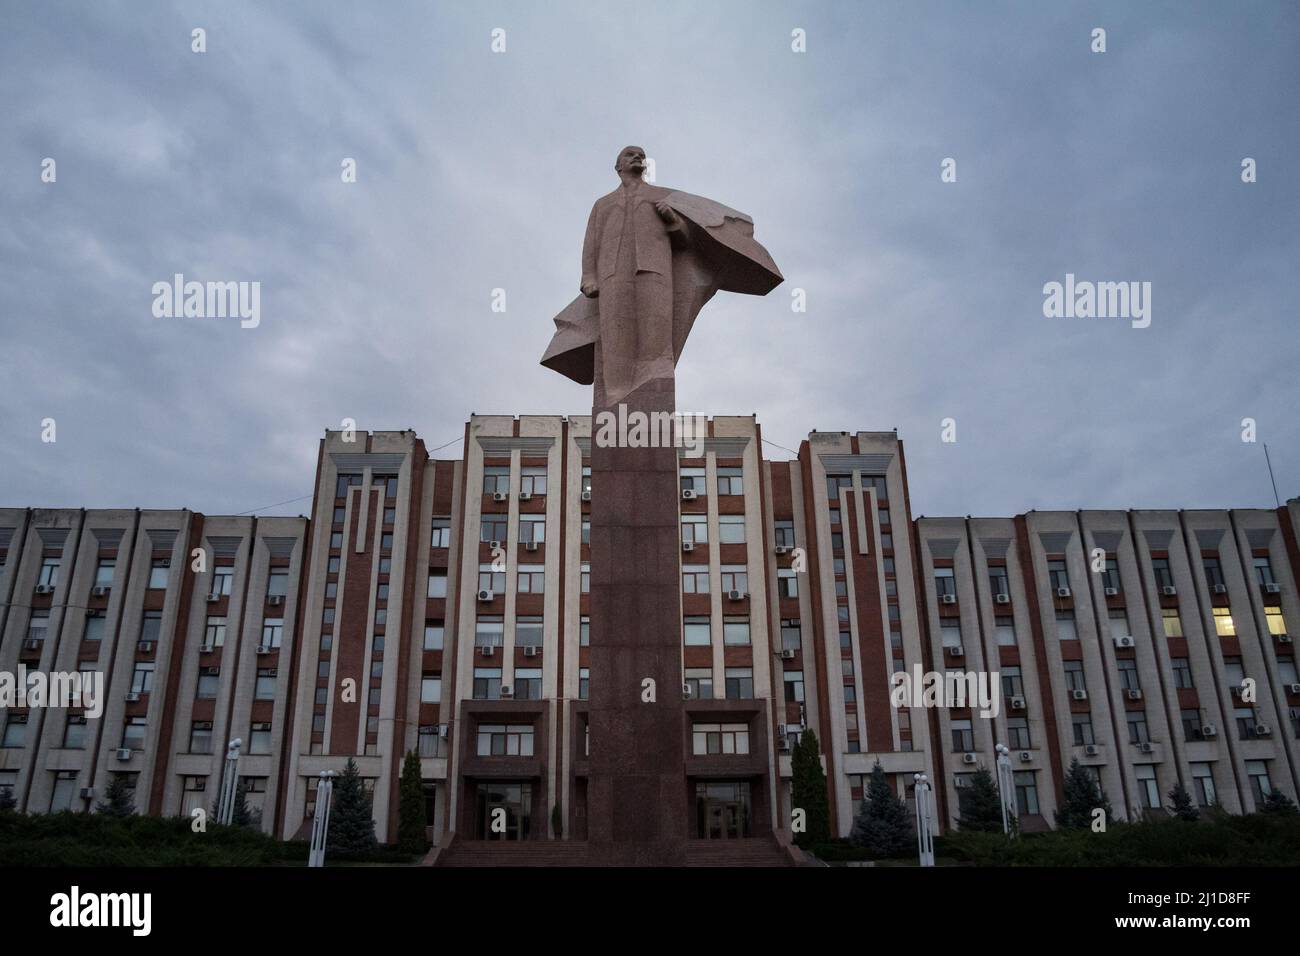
(667, 213)
(590, 289)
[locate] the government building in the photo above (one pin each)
(441, 606)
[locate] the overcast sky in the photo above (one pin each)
(476, 171)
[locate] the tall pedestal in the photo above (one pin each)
(636, 794)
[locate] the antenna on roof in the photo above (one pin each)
(1269, 462)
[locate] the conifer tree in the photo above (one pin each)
(1183, 807)
(410, 807)
(1082, 796)
(352, 828)
(979, 804)
(808, 790)
(119, 801)
(883, 826)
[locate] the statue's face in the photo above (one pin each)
(631, 160)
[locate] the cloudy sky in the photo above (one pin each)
(476, 171)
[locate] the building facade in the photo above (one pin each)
(440, 606)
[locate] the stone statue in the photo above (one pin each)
(651, 259)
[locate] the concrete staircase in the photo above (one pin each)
(756, 851)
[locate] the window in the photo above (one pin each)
(1213, 572)
(528, 683)
(489, 632)
(1147, 786)
(1119, 626)
(259, 738)
(945, 585)
(104, 572)
(963, 736)
(277, 584)
(586, 531)
(505, 740)
(214, 633)
(1263, 571)
(791, 635)
(431, 741)
(386, 542)
(998, 581)
(1245, 717)
(440, 534)
(1203, 784)
(586, 479)
(38, 626)
(49, 574)
(532, 579)
(209, 680)
(1276, 623)
(694, 480)
(735, 631)
(1191, 720)
(222, 579)
(695, 530)
(584, 631)
(494, 528)
(1286, 669)
(787, 584)
(1182, 672)
(584, 683)
(735, 577)
(74, 732)
(1082, 729)
(730, 481)
(1173, 623)
(496, 480)
(159, 570)
(1223, 625)
(265, 687)
(133, 733)
(695, 579)
(142, 677)
(699, 681)
(794, 686)
(151, 626)
(1128, 674)
(1057, 574)
(433, 635)
(345, 481)
(731, 529)
(532, 529)
(834, 483)
(1074, 679)
(1110, 576)
(1163, 575)
(1013, 684)
(15, 731)
(949, 630)
(1257, 770)
(1018, 733)
(532, 481)
(95, 628)
(487, 683)
(488, 580)
(696, 632)
(783, 534)
(272, 631)
(1137, 727)
(708, 739)
(1065, 629)
(740, 683)
(529, 631)
(431, 688)
(1004, 629)
(585, 578)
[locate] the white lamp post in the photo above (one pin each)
(924, 825)
(320, 824)
(229, 784)
(1006, 788)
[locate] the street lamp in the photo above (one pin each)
(1006, 788)
(320, 823)
(924, 826)
(229, 784)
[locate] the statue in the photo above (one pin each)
(652, 257)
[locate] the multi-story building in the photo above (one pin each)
(441, 606)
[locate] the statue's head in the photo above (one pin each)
(631, 160)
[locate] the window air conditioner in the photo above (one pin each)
(132, 697)
(507, 691)
(442, 730)
(957, 651)
(1145, 747)
(264, 649)
(586, 496)
(735, 595)
(530, 545)
(782, 549)
(969, 758)
(531, 650)
(1295, 688)
(1091, 750)
(688, 545)
(499, 496)
(99, 590)
(485, 596)
(1026, 756)
(214, 598)
(87, 793)
(146, 647)
(1017, 703)
(1135, 694)
(1272, 589)
(494, 545)
(1168, 590)
(1124, 641)
(1263, 730)
(1209, 730)
(1079, 694)
(1111, 592)
(1062, 592)
(1284, 638)
(525, 496)
(44, 589)
(488, 650)
(275, 599)
(788, 655)
(687, 693)
(688, 494)
(949, 599)
(1220, 589)
(124, 753)
(205, 648)
(1001, 598)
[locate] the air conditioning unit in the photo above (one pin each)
(530, 545)
(1145, 747)
(1209, 730)
(735, 595)
(688, 494)
(146, 647)
(132, 697)
(100, 590)
(532, 650)
(44, 589)
(1263, 730)
(525, 496)
(1062, 592)
(494, 545)
(214, 598)
(788, 655)
(1079, 694)
(688, 545)
(87, 793)
(499, 496)
(969, 758)
(783, 745)
(275, 599)
(586, 496)
(205, 648)
(948, 598)
(1111, 592)
(1135, 695)
(33, 645)
(782, 549)
(957, 651)
(1124, 641)
(1295, 688)
(488, 650)
(485, 596)
(124, 753)
(1272, 589)
(1017, 703)
(1284, 638)
(442, 730)
(264, 649)
(1026, 756)
(1091, 750)
(1220, 589)
(507, 691)
(1168, 590)
(687, 693)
